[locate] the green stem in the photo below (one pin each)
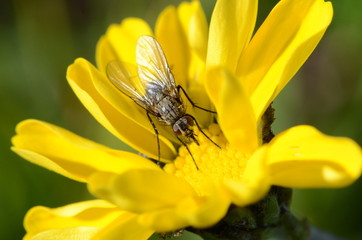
(267, 121)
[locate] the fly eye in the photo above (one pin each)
(189, 120)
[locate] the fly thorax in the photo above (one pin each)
(169, 110)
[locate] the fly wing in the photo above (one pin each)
(153, 69)
(126, 80)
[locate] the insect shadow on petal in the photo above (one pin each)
(156, 92)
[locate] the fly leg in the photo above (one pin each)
(183, 143)
(157, 137)
(192, 103)
(198, 126)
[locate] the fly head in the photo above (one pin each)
(183, 127)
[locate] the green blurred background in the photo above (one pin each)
(40, 38)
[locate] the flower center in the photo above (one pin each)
(213, 163)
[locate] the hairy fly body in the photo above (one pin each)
(155, 91)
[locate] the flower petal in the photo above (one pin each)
(163, 220)
(125, 229)
(172, 38)
(279, 48)
(80, 219)
(105, 53)
(199, 96)
(194, 24)
(232, 24)
(123, 38)
(140, 190)
(74, 233)
(197, 211)
(68, 154)
(254, 183)
(118, 114)
(302, 157)
(235, 115)
(164, 202)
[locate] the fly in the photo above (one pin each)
(156, 92)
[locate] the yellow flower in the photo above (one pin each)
(220, 66)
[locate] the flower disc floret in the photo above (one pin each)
(213, 163)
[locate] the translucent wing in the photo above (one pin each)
(125, 79)
(153, 69)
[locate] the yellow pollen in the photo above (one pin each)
(213, 163)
